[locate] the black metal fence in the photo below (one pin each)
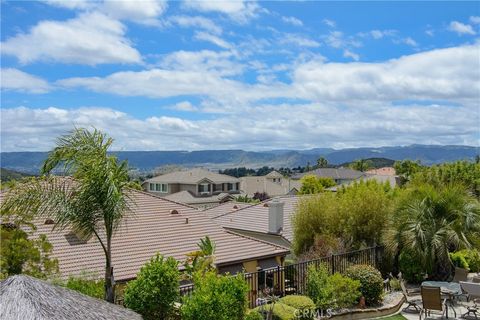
(291, 279)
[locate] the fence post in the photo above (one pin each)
(333, 263)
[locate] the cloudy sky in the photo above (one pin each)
(189, 75)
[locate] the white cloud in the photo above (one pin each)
(443, 74)
(73, 4)
(205, 36)
(140, 11)
(238, 10)
(475, 19)
(430, 32)
(337, 40)
(461, 28)
(197, 22)
(293, 21)
(379, 34)
(298, 40)
(91, 38)
(330, 23)
(349, 54)
(262, 127)
(409, 41)
(184, 106)
(16, 80)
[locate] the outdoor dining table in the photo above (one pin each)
(451, 289)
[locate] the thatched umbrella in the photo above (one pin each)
(24, 297)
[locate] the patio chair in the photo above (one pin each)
(460, 275)
(473, 291)
(432, 300)
(409, 300)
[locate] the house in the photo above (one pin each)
(274, 184)
(198, 187)
(157, 225)
(339, 175)
(269, 221)
(24, 297)
(384, 171)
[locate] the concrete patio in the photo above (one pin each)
(460, 307)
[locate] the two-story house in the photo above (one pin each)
(196, 187)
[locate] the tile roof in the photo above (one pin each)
(334, 173)
(193, 176)
(150, 229)
(255, 217)
(385, 171)
(188, 198)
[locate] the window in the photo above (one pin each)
(159, 187)
(204, 188)
(232, 186)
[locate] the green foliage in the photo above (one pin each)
(395, 284)
(331, 291)
(412, 271)
(89, 286)
(361, 165)
(467, 259)
(202, 260)
(253, 315)
(246, 199)
(458, 260)
(310, 185)
(155, 289)
(407, 168)
(431, 221)
(302, 303)
(357, 214)
(216, 297)
(280, 311)
(322, 162)
(371, 282)
(20, 254)
(462, 173)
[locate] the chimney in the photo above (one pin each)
(275, 216)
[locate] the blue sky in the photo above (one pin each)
(192, 75)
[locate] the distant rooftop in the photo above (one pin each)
(193, 176)
(334, 173)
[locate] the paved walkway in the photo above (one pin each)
(459, 306)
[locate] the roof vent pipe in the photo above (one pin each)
(275, 216)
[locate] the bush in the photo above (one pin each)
(371, 282)
(304, 304)
(253, 315)
(471, 257)
(280, 311)
(411, 268)
(155, 290)
(216, 297)
(395, 284)
(331, 291)
(90, 287)
(458, 260)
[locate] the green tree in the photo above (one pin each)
(310, 185)
(322, 162)
(407, 168)
(430, 222)
(154, 291)
(361, 165)
(87, 285)
(202, 260)
(216, 297)
(94, 202)
(20, 254)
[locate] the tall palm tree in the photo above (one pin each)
(92, 202)
(322, 162)
(361, 165)
(431, 222)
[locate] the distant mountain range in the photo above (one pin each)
(30, 162)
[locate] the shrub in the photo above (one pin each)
(411, 267)
(458, 260)
(371, 282)
(253, 315)
(88, 286)
(155, 290)
(280, 311)
(395, 284)
(331, 291)
(304, 304)
(216, 297)
(472, 258)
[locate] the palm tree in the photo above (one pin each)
(361, 165)
(92, 202)
(431, 222)
(322, 162)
